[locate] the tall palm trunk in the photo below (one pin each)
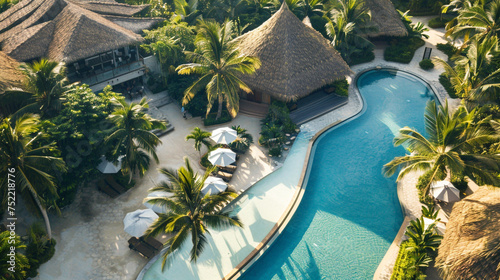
(219, 110)
(44, 214)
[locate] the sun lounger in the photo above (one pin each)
(117, 187)
(228, 169)
(141, 247)
(151, 241)
(105, 188)
(225, 176)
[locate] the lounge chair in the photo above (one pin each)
(151, 241)
(112, 182)
(225, 176)
(228, 169)
(141, 247)
(105, 188)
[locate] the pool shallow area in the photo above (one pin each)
(350, 213)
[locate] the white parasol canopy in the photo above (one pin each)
(213, 185)
(137, 222)
(155, 207)
(107, 167)
(224, 135)
(222, 157)
(445, 191)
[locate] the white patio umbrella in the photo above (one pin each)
(108, 167)
(137, 222)
(222, 157)
(154, 207)
(224, 135)
(445, 191)
(213, 185)
(440, 228)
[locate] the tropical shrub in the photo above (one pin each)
(402, 49)
(243, 142)
(275, 151)
(448, 49)
(438, 22)
(363, 56)
(426, 64)
(40, 249)
(211, 118)
(404, 268)
(422, 183)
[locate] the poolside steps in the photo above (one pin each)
(253, 109)
(315, 105)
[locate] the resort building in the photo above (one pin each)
(97, 40)
(296, 59)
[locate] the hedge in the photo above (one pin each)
(447, 49)
(362, 57)
(438, 22)
(402, 49)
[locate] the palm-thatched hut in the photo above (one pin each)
(296, 59)
(10, 76)
(386, 19)
(471, 245)
(67, 31)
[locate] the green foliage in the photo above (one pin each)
(79, 129)
(318, 23)
(438, 22)
(429, 211)
(363, 56)
(211, 119)
(449, 49)
(426, 64)
(253, 20)
(5, 4)
(200, 137)
(341, 87)
(274, 127)
(243, 142)
(404, 268)
(445, 82)
(402, 49)
(21, 261)
(275, 151)
(40, 248)
(423, 182)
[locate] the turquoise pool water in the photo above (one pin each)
(350, 212)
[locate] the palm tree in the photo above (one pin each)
(425, 242)
(168, 52)
(190, 212)
(20, 261)
(200, 137)
(450, 148)
(133, 137)
(33, 166)
(468, 76)
(478, 20)
(220, 65)
(349, 21)
(45, 82)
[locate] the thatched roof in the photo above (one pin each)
(10, 76)
(471, 245)
(112, 8)
(137, 25)
(386, 18)
(63, 30)
(296, 59)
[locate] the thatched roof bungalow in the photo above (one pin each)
(67, 31)
(386, 19)
(296, 59)
(470, 248)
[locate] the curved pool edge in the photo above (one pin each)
(301, 187)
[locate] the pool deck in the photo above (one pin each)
(92, 243)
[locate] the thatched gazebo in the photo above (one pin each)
(386, 19)
(471, 245)
(10, 76)
(296, 59)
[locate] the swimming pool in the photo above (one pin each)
(350, 212)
